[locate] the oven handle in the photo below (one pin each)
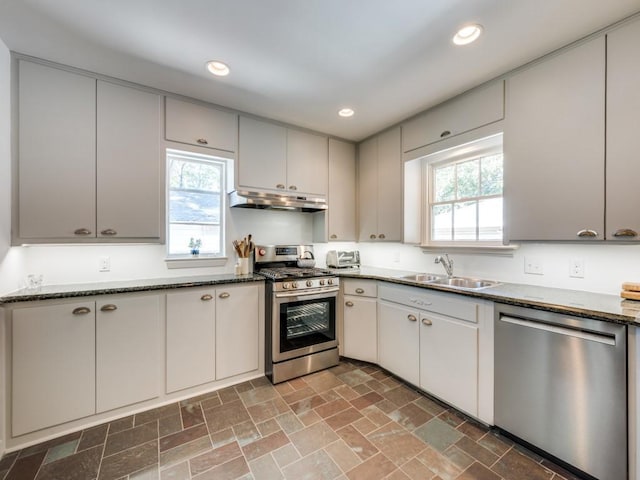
(315, 293)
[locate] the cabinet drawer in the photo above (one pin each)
(200, 125)
(443, 303)
(464, 113)
(362, 288)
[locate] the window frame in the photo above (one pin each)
(204, 259)
(484, 147)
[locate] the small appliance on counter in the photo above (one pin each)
(343, 259)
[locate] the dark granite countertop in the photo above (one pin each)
(48, 292)
(610, 308)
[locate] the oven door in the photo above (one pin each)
(303, 323)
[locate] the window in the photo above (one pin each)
(196, 204)
(465, 194)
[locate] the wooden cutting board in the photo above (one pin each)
(630, 295)
(631, 286)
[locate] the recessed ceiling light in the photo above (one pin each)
(346, 112)
(467, 34)
(218, 68)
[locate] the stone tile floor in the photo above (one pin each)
(354, 421)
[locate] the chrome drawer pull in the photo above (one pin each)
(427, 322)
(280, 186)
(109, 307)
(293, 187)
(82, 231)
(349, 303)
(382, 236)
(202, 141)
(412, 318)
(625, 232)
(206, 297)
(372, 236)
(359, 290)
(334, 236)
(224, 295)
(586, 233)
(446, 133)
(109, 231)
(81, 311)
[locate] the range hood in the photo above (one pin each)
(276, 201)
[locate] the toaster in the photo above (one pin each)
(343, 258)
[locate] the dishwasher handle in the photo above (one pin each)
(607, 339)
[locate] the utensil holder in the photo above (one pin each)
(244, 266)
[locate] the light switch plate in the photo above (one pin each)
(533, 266)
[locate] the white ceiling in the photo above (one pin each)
(299, 61)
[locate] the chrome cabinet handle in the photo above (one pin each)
(625, 232)
(109, 307)
(382, 236)
(427, 322)
(224, 295)
(359, 290)
(206, 297)
(586, 233)
(372, 236)
(82, 231)
(202, 141)
(412, 318)
(293, 187)
(446, 133)
(280, 186)
(333, 236)
(349, 303)
(81, 311)
(109, 232)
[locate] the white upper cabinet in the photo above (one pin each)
(466, 112)
(129, 178)
(380, 188)
(200, 125)
(554, 147)
(278, 159)
(342, 191)
(57, 148)
(623, 139)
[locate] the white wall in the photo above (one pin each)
(606, 266)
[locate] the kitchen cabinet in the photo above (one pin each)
(127, 350)
(399, 340)
(380, 188)
(360, 326)
(237, 330)
(89, 166)
(278, 159)
(342, 191)
(57, 148)
(129, 164)
(52, 365)
(196, 124)
(622, 139)
(554, 146)
(466, 112)
(191, 338)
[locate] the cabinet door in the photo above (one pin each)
(200, 125)
(623, 141)
(191, 338)
(237, 330)
(554, 147)
(57, 148)
(398, 341)
(127, 351)
(368, 190)
(53, 365)
(360, 338)
(389, 186)
(449, 360)
(342, 191)
(262, 155)
(307, 163)
(129, 164)
(466, 112)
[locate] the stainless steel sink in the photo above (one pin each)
(424, 277)
(457, 282)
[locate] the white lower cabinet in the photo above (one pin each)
(360, 332)
(237, 330)
(449, 360)
(398, 340)
(52, 366)
(127, 350)
(191, 338)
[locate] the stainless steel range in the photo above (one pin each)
(300, 312)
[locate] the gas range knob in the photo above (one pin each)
(262, 252)
(330, 281)
(322, 282)
(285, 285)
(309, 283)
(294, 284)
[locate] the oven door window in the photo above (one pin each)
(307, 322)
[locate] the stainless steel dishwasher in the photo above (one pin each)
(561, 386)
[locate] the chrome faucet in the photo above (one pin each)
(447, 263)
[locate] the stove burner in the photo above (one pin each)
(282, 273)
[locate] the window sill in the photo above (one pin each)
(497, 250)
(189, 261)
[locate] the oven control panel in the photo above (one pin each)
(307, 284)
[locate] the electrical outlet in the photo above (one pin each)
(533, 266)
(104, 264)
(576, 269)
